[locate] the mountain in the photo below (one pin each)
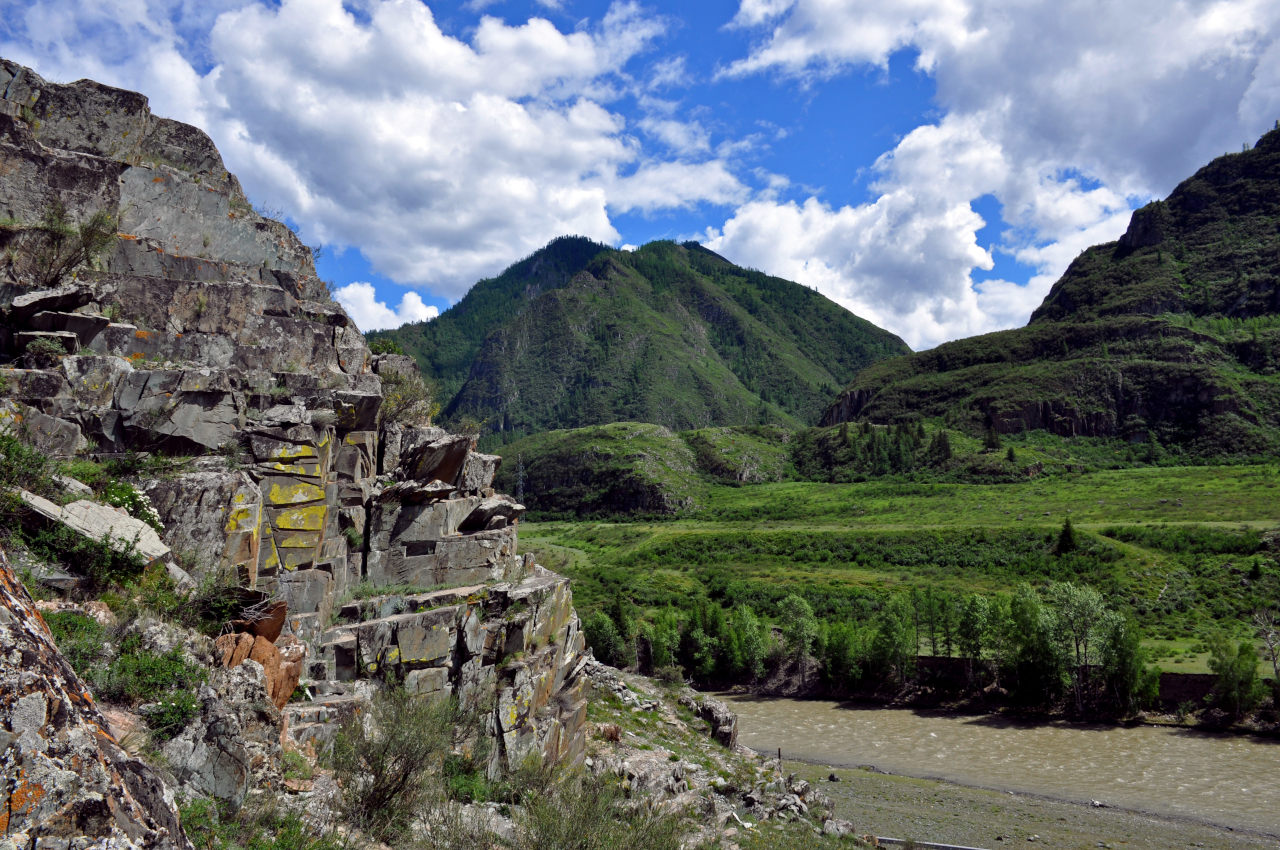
(581, 334)
(1171, 334)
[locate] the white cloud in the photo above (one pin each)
(361, 302)
(668, 185)
(1063, 111)
(441, 158)
(684, 138)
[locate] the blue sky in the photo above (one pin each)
(933, 165)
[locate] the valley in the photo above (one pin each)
(1171, 547)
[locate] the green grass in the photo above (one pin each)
(1168, 545)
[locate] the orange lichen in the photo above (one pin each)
(142, 334)
(159, 179)
(128, 236)
(26, 795)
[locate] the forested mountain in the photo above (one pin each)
(581, 334)
(1171, 334)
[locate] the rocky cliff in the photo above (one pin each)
(150, 311)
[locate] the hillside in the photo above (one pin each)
(1171, 334)
(580, 334)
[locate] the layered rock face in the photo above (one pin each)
(202, 331)
(65, 777)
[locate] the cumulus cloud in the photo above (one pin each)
(1067, 113)
(360, 300)
(441, 157)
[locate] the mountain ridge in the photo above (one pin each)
(1171, 333)
(671, 334)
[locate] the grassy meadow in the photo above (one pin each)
(1185, 550)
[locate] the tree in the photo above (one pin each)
(55, 247)
(1130, 684)
(840, 655)
(1080, 613)
(939, 450)
(751, 642)
(1036, 658)
(665, 639)
(1269, 631)
(893, 647)
(971, 630)
(1066, 538)
(408, 399)
(602, 636)
(1237, 690)
(799, 628)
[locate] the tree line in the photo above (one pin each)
(1059, 647)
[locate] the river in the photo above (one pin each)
(1229, 781)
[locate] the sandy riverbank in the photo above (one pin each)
(944, 812)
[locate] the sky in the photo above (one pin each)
(932, 165)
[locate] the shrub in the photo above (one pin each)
(133, 675)
(389, 765)
(122, 494)
(408, 399)
(55, 247)
(258, 825)
(385, 346)
(602, 636)
(79, 638)
(46, 347)
(582, 812)
(1237, 690)
(140, 675)
(171, 714)
(23, 466)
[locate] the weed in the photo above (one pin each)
(295, 765)
(45, 346)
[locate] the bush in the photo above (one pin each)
(385, 346)
(122, 494)
(168, 717)
(602, 636)
(389, 765)
(1237, 690)
(50, 251)
(582, 812)
(140, 675)
(133, 675)
(258, 825)
(408, 399)
(23, 466)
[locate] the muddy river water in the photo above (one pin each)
(1231, 781)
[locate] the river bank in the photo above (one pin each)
(1225, 783)
(945, 812)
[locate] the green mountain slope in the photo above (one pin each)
(580, 334)
(1172, 333)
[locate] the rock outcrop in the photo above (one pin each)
(201, 332)
(67, 782)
